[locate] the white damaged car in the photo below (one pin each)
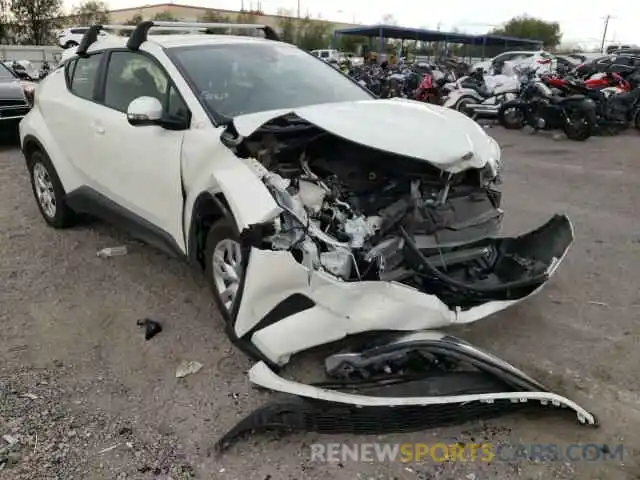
(316, 211)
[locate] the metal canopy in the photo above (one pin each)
(424, 35)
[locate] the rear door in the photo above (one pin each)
(70, 109)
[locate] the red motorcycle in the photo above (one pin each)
(427, 90)
(611, 79)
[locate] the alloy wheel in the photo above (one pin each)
(227, 270)
(44, 190)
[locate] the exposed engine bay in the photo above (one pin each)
(363, 214)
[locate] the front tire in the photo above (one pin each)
(70, 44)
(224, 267)
(49, 192)
(577, 126)
(511, 117)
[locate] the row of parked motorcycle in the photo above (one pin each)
(518, 96)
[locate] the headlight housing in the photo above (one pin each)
(495, 160)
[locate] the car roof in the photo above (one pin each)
(173, 41)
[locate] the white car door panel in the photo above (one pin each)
(138, 167)
(69, 114)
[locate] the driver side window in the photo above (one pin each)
(131, 75)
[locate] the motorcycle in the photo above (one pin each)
(617, 101)
(478, 95)
(44, 70)
(428, 90)
(539, 108)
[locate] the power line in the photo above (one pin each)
(604, 33)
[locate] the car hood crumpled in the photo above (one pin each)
(440, 136)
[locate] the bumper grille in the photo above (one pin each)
(14, 112)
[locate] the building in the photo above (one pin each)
(188, 13)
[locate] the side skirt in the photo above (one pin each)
(88, 201)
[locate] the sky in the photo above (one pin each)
(582, 26)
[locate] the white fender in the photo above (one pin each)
(456, 95)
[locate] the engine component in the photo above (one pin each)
(358, 230)
(388, 253)
(337, 262)
(311, 195)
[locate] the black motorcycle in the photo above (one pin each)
(614, 112)
(538, 107)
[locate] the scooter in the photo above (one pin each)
(479, 95)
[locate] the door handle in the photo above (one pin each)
(99, 129)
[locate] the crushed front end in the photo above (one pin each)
(372, 240)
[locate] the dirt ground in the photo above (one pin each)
(77, 377)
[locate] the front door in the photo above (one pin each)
(139, 167)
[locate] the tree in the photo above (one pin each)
(532, 28)
(287, 26)
(165, 16)
(91, 12)
(246, 18)
(211, 16)
(135, 20)
(312, 34)
(36, 19)
(4, 19)
(351, 43)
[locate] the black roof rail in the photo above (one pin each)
(141, 32)
(88, 39)
(91, 36)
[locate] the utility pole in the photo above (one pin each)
(298, 8)
(604, 33)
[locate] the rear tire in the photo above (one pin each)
(577, 126)
(462, 105)
(49, 192)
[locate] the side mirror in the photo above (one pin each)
(144, 111)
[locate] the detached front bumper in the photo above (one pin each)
(372, 392)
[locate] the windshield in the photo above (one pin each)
(6, 73)
(234, 79)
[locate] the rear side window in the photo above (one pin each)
(82, 74)
(76, 31)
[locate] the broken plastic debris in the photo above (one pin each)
(151, 328)
(112, 252)
(601, 304)
(10, 439)
(108, 449)
(187, 368)
(30, 395)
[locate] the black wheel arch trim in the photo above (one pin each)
(194, 240)
(30, 141)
